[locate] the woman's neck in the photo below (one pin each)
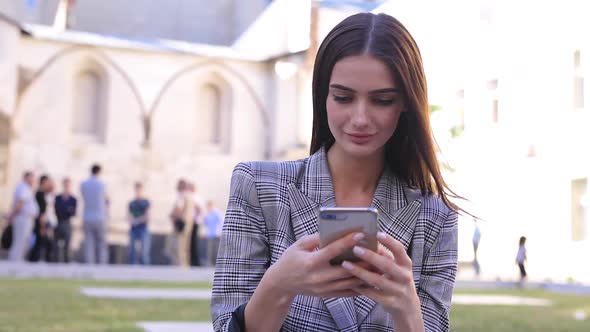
(354, 179)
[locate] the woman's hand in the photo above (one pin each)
(304, 270)
(389, 282)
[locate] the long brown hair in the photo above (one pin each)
(410, 153)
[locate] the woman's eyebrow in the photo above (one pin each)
(345, 88)
(341, 87)
(386, 90)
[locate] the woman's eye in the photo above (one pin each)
(342, 99)
(384, 101)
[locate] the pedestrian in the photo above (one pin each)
(212, 222)
(139, 235)
(22, 214)
(520, 259)
(476, 239)
(43, 231)
(197, 220)
(65, 209)
(94, 217)
(181, 218)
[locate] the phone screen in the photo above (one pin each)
(336, 222)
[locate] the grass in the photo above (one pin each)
(558, 317)
(56, 305)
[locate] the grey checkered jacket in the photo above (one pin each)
(272, 204)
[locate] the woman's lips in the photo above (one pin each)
(360, 138)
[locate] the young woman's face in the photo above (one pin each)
(364, 105)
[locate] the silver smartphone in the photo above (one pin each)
(336, 222)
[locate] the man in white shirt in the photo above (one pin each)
(23, 212)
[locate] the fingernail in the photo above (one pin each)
(347, 265)
(358, 250)
(381, 236)
(358, 236)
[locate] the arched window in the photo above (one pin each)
(89, 115)
(209, 116)
(213, 115)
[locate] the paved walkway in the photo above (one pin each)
(175, 327)
(474, 299)
(205, 274)
(200, 294)
(106, 272)
(147, 293)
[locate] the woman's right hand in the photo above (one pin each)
(303, 270)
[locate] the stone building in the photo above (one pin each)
(153, 97)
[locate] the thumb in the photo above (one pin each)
(309, 242)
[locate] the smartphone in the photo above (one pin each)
(336, 222)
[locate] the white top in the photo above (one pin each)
(521, 256)
(50, 210)
(24, 193)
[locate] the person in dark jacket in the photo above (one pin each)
(42, 230)
(65, 208)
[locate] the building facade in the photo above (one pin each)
(510, 76)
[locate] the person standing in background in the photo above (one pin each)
(212, 221)
(476, 239)
(24, 210)
(520, 259)
(65, 208)
(42, 249)
(138, 231)
(197, 219)
(182, 222)
(95, 217)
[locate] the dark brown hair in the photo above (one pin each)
(411, 151)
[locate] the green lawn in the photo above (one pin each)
(558, 317)
(56, 305)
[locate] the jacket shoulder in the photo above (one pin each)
(272, 172)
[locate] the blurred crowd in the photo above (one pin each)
(39, 226)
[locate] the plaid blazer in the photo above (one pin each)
(272, 204)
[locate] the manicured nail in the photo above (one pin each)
(358, 250)
(381, 236)
(358, 236)
(347, 265)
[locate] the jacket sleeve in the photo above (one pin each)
(243, 255)
(439, 269)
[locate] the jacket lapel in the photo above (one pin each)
(398, 208)
(313, 189)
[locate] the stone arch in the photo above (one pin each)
(98, 54)
(215, 67)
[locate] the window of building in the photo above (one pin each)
(493, 100)
(89, 113)
(580, 201)
(213, 115)
(210, 113)
(578, 81)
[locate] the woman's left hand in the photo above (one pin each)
(389, 281)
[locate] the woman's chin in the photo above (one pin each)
(357, 151)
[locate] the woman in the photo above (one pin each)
(371, 146)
